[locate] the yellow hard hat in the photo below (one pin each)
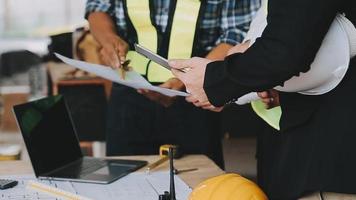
(227, 187)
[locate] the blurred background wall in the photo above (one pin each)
(39, 17)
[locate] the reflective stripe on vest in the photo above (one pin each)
(139, 14)
(181, 41)
(271, 116)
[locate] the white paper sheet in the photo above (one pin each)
(139, 185)
(132, 78)
(135, 186)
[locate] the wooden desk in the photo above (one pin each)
(206, 167)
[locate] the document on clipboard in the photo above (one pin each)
(132, 78)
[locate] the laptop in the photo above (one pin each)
(53, 145)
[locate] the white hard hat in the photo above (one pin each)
(330, 64)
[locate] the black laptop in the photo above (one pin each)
(53, 146)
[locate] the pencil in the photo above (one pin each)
(52, 191)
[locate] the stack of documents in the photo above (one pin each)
(135, 186)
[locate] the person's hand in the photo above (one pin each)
(166, 101)
(204, 105)
(270, 98)
(113, 51)
(240, 48)
(193, 78)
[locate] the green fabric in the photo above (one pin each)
(271, 116)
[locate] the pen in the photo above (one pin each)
(124, 68)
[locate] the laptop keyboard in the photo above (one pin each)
(89, 165)
(81, 168)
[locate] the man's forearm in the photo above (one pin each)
(219, 52)
(102, 27)
(113, 49)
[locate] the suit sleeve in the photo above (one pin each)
(286, 48)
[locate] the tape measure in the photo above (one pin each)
(164, 150)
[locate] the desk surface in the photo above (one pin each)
(206, 167)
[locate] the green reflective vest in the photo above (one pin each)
(181, 35)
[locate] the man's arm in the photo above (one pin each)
(114, 49)
(101, 26)
(219, 52)
(99, 15)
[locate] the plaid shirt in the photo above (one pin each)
(224, 21)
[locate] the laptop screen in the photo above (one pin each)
(48, 133)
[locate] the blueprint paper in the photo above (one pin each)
(135, 186)
(139, 185)
(132, 78)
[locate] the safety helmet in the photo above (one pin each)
(331, 62)
(227, 187)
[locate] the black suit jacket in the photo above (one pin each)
(316, 147)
